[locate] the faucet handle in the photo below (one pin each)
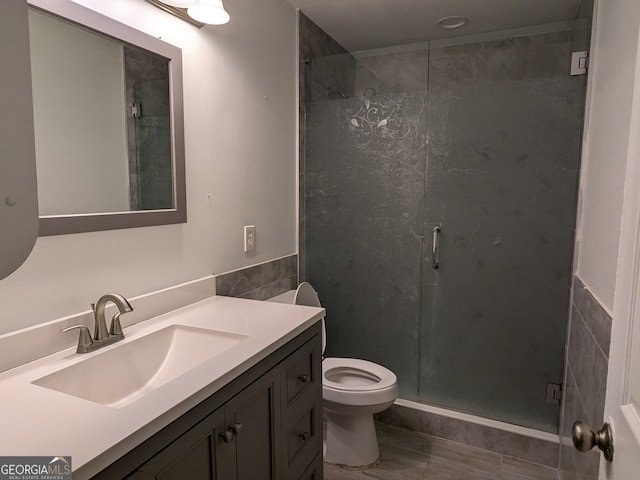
(116, 327)
(84, 340)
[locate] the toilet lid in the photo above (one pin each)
(353, 374)
(307, 296)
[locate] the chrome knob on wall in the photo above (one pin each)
(584, 439)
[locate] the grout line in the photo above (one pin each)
(586, 325)
(255, 264)
(279, 279)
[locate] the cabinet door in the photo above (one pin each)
(314, 471)
(255, 415)
(196, 455)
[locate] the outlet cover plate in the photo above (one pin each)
(249, 238)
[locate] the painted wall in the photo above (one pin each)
(79, 98)
(240, 129)
(605, 143)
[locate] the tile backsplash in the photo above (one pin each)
(261, 281)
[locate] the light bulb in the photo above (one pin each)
(211, 12)
(180, 3)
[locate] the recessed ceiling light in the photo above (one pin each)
(453, 22)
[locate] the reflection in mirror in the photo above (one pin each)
(108, 123)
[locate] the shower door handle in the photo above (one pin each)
(435, 249)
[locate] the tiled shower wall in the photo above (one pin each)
(586, 380)
(333, 71)
(148, 133)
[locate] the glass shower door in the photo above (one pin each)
(503, 156)
(364, 185)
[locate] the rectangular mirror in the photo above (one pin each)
(108, 121)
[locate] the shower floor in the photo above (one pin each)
(409, 455)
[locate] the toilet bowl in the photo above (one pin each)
(352, 391)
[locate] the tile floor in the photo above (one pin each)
(408, 455)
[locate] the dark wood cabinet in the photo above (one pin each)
(264, 425)
(255, 414)
(195, 455)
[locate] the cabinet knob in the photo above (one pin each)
(305, 436)
(227, 436)
(304, 378)
(584, 439)
(236, 428)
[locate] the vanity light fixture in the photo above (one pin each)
(196, 12)
(211, 12)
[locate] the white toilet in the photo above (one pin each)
(352, 391)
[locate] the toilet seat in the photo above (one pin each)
(355, 375)
(350, 382)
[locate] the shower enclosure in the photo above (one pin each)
(438, 203)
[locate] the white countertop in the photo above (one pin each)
(38, 421)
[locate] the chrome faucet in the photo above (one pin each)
(102, 337)
(101, 332)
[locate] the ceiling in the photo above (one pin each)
(368, 24)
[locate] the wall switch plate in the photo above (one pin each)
(249, 238)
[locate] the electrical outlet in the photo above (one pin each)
(249, 238)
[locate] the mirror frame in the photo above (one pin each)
(79, 223)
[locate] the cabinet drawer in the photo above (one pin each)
(303, 438)
(303, 372)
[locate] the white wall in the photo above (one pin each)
(240, 128)
(79, 119)
(606, 139)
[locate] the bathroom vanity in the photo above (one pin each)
(224, 388)
(266, 424)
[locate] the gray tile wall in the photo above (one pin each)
(324, 64)
(260, 282)
(587, 362)
(392, 73)
(148, 137)
(495, 440)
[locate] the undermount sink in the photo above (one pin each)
(122, 375)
